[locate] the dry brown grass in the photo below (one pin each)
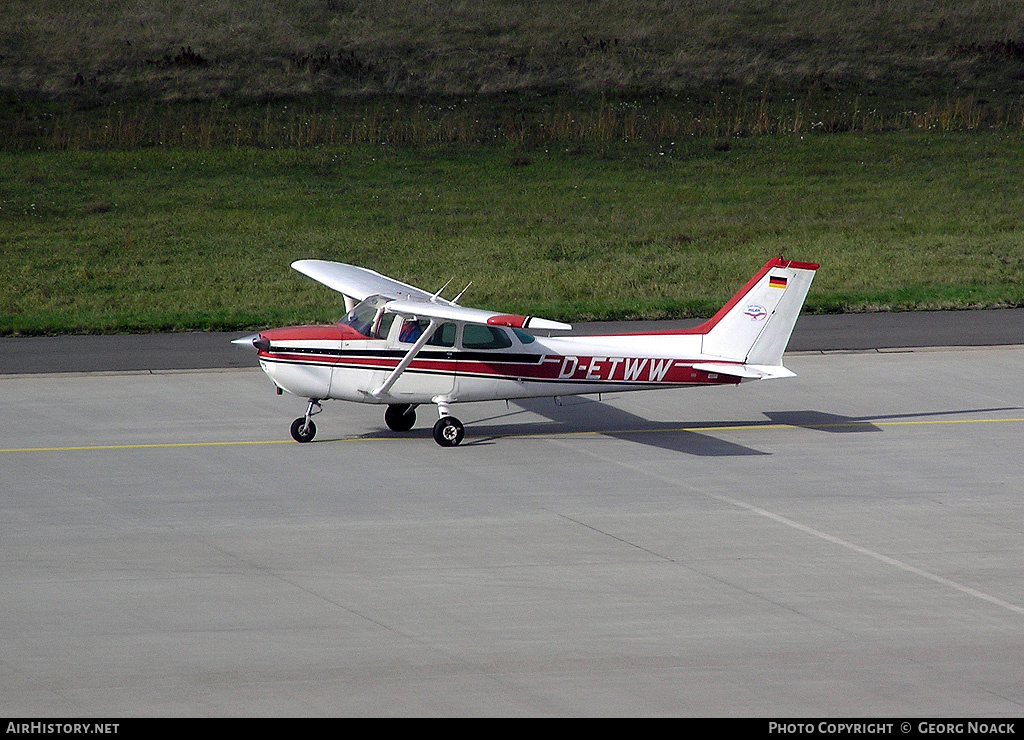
(83, 74)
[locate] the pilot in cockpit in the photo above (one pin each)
(411, 331)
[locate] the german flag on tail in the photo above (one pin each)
(776, 281)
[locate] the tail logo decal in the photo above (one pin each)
(756, 312)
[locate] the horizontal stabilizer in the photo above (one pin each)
(769, 372)
(722, 368)
(746, 372)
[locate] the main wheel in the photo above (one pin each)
(303, 432)
(400, 417)
(448, 431)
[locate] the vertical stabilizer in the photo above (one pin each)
(755, 325)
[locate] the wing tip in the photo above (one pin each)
(532, 322)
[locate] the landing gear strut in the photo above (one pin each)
(303, 428)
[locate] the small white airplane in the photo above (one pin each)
(402, 346)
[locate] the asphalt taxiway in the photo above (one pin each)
(192, 350)
(849, 542)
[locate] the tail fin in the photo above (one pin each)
(755, 325)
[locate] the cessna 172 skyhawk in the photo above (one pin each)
(402, 346)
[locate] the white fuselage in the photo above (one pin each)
(351, 369)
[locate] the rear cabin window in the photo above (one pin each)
(444, 336)
(523, 336)
(484, 337)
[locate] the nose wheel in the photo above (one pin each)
(303, 428)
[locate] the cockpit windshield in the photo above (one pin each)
(365, 317)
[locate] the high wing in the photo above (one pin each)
(358, 283)
(452, 312)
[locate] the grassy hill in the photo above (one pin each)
(82, 74)
(905, 50)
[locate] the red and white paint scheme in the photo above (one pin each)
(402, 346)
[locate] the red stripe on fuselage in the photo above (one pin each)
(551, 368)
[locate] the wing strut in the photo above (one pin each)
(409, 357)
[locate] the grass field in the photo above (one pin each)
(171, 240)
(164, 162)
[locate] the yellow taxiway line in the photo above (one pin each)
(610, 432)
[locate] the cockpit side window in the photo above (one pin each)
(443, 336)
(412, 330)
(384, 326)
(362, 317)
